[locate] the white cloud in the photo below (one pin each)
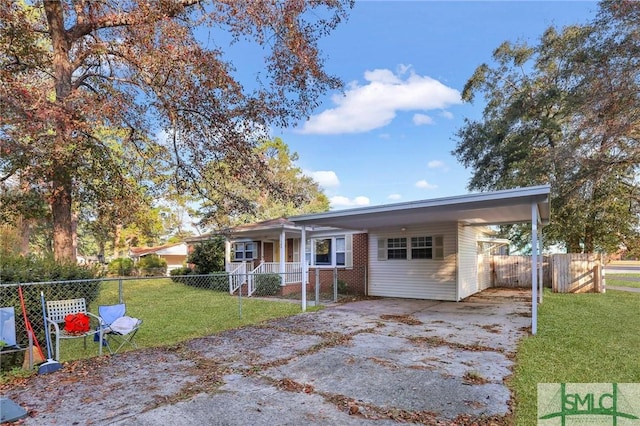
(436, 164)
(421, 119)
(447, 114)
(340, 201)
(394, 197)
(423, 184)
(325, 178)
(373, 105)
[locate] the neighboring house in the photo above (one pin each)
(174, 254)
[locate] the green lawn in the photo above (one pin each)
(623, 280)
(582, 338)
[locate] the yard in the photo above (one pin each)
(582, 338)
(623, 280)
(173, 313)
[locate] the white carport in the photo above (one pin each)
(513, 206)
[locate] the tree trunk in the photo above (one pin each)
(61, 211)
(25, 235)
(116, 240)
(63, 161)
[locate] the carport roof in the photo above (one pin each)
(489, 208)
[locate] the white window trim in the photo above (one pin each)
(234, 250)
(437, 250)
(310, 248)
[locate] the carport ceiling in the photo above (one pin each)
(489, 208)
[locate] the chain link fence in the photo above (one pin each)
(157, 295)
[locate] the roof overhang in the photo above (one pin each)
(505, 207)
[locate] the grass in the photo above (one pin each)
(174, 313)
(624, 280)
(582, 338)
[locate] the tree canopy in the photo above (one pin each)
(250, 203)
(565, 112)
(117, 100)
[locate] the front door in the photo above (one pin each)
(268, 252)
(290, 250)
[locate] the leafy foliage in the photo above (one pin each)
(267, 284)
(104, 103)
(264, 202)
(122, 266)
(26, 269)
(152, 265)
(565, 112)
(208, 256)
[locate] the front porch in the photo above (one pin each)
(285, 279)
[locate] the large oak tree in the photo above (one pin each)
(72, 70)
(566, 112)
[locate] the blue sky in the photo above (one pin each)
(388, 137)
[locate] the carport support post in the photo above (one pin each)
(305, 271)
(534, 268)
(540, 264)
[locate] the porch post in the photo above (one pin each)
(534, 268)
(303, 260)
(227, 255)
(283, 242)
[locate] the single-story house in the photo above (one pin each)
(174, 254)
(426, 249)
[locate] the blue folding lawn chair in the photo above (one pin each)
(117, 329)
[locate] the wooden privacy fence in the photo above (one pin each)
(577, 273)
(564, 273)
(515, 271)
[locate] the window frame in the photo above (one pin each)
(244, 251)
(310, 254)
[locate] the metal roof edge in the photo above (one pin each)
(531, 191)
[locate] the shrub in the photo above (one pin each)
(122, 266)
(178, 274)
(343, 287)
(208, 256)
(76, 281)
(152, 265)
(187, 276)
(267, 284)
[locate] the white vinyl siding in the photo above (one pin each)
(416, 278)
(467, 261)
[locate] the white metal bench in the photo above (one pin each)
(57, 310)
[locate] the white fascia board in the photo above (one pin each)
(541, 192)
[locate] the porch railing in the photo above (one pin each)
(292, 271)
(237, 275)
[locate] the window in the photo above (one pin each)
(329, 251)
(323, 252)
(421, 248)
(341, 250)
(396, 248)
(243, 251)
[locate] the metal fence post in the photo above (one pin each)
(120, 291)
(335, 285)
(317, 286)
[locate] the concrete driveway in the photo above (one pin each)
(368, 362)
